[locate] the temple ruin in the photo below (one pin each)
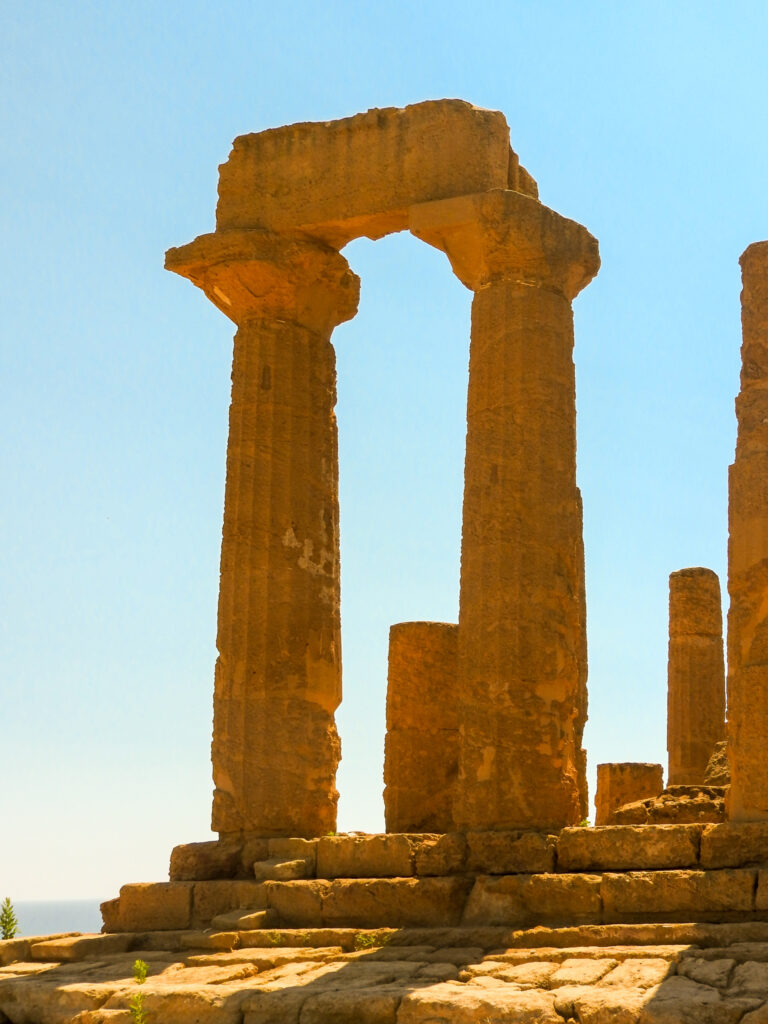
(488, 898)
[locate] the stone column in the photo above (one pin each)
(747, 799)
(625, 782)
(695, 675)
(521, 696)
(421, 750)
(278, 675)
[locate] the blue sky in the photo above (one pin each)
(644, 122)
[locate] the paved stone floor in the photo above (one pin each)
(670, 983)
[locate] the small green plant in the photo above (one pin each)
(272, 939)
(136, 1005)
(9, 925)
(584, 823)
(367, 940)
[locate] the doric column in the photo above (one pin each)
(695, 675)
(278, 675)
(521, 694)
(747, 799)
(421, 750)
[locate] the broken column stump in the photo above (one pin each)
(421, 752)
(695, 675)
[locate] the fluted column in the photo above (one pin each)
(278, 676)
(695, 675)
(521, 694)
(421, 749)
(747, 799)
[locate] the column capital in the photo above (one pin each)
(505, 235)
(256, 275)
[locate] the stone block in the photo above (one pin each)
(441, 854)
(358, 176)
(375, 1005)
(278, 870)
(194, 862)
(677, 895)
(625, 782)
(217, 940)
(374, 856)
(506, 853)
(395, 903)
(529, 900)
(213, 898)
(627, 847)
(245, 920)
(295, 849)
(80, 947)
(254, 848)
(761, 896)
(734, 844)
(155, 906)
(110, 915)
(298, 904)
(470, 1004)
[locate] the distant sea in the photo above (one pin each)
(44, 917)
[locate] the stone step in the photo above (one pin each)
(245, 919)
(607, 848)
(279, 870)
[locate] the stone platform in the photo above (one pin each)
(616, 974)
(614, 874)
(646, 924)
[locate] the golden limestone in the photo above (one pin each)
(505, 750)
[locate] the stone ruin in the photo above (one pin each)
(486, 899)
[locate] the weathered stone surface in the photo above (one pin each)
(155, 906)
(748, 555)
(677, 895)
(244, 920)
(628, 847)
(209, 899)
(716, 973)
(193, 862)
(441, 855)
(695, 674)
(718, 773)
(358, 176)
(640, 972)
(278, 676)
(505, 853)
(298, 903)
(534, 899)
(522, 653)
(294, 849)
(462, 1005)
(677, 805)
(761, 896)
(421, 751)
(581, 971)
(280, 870)
(358, 856)
(78, 947)
(624, 782)
(396, 903)
(734, 844)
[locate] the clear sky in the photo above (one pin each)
(645, 122)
